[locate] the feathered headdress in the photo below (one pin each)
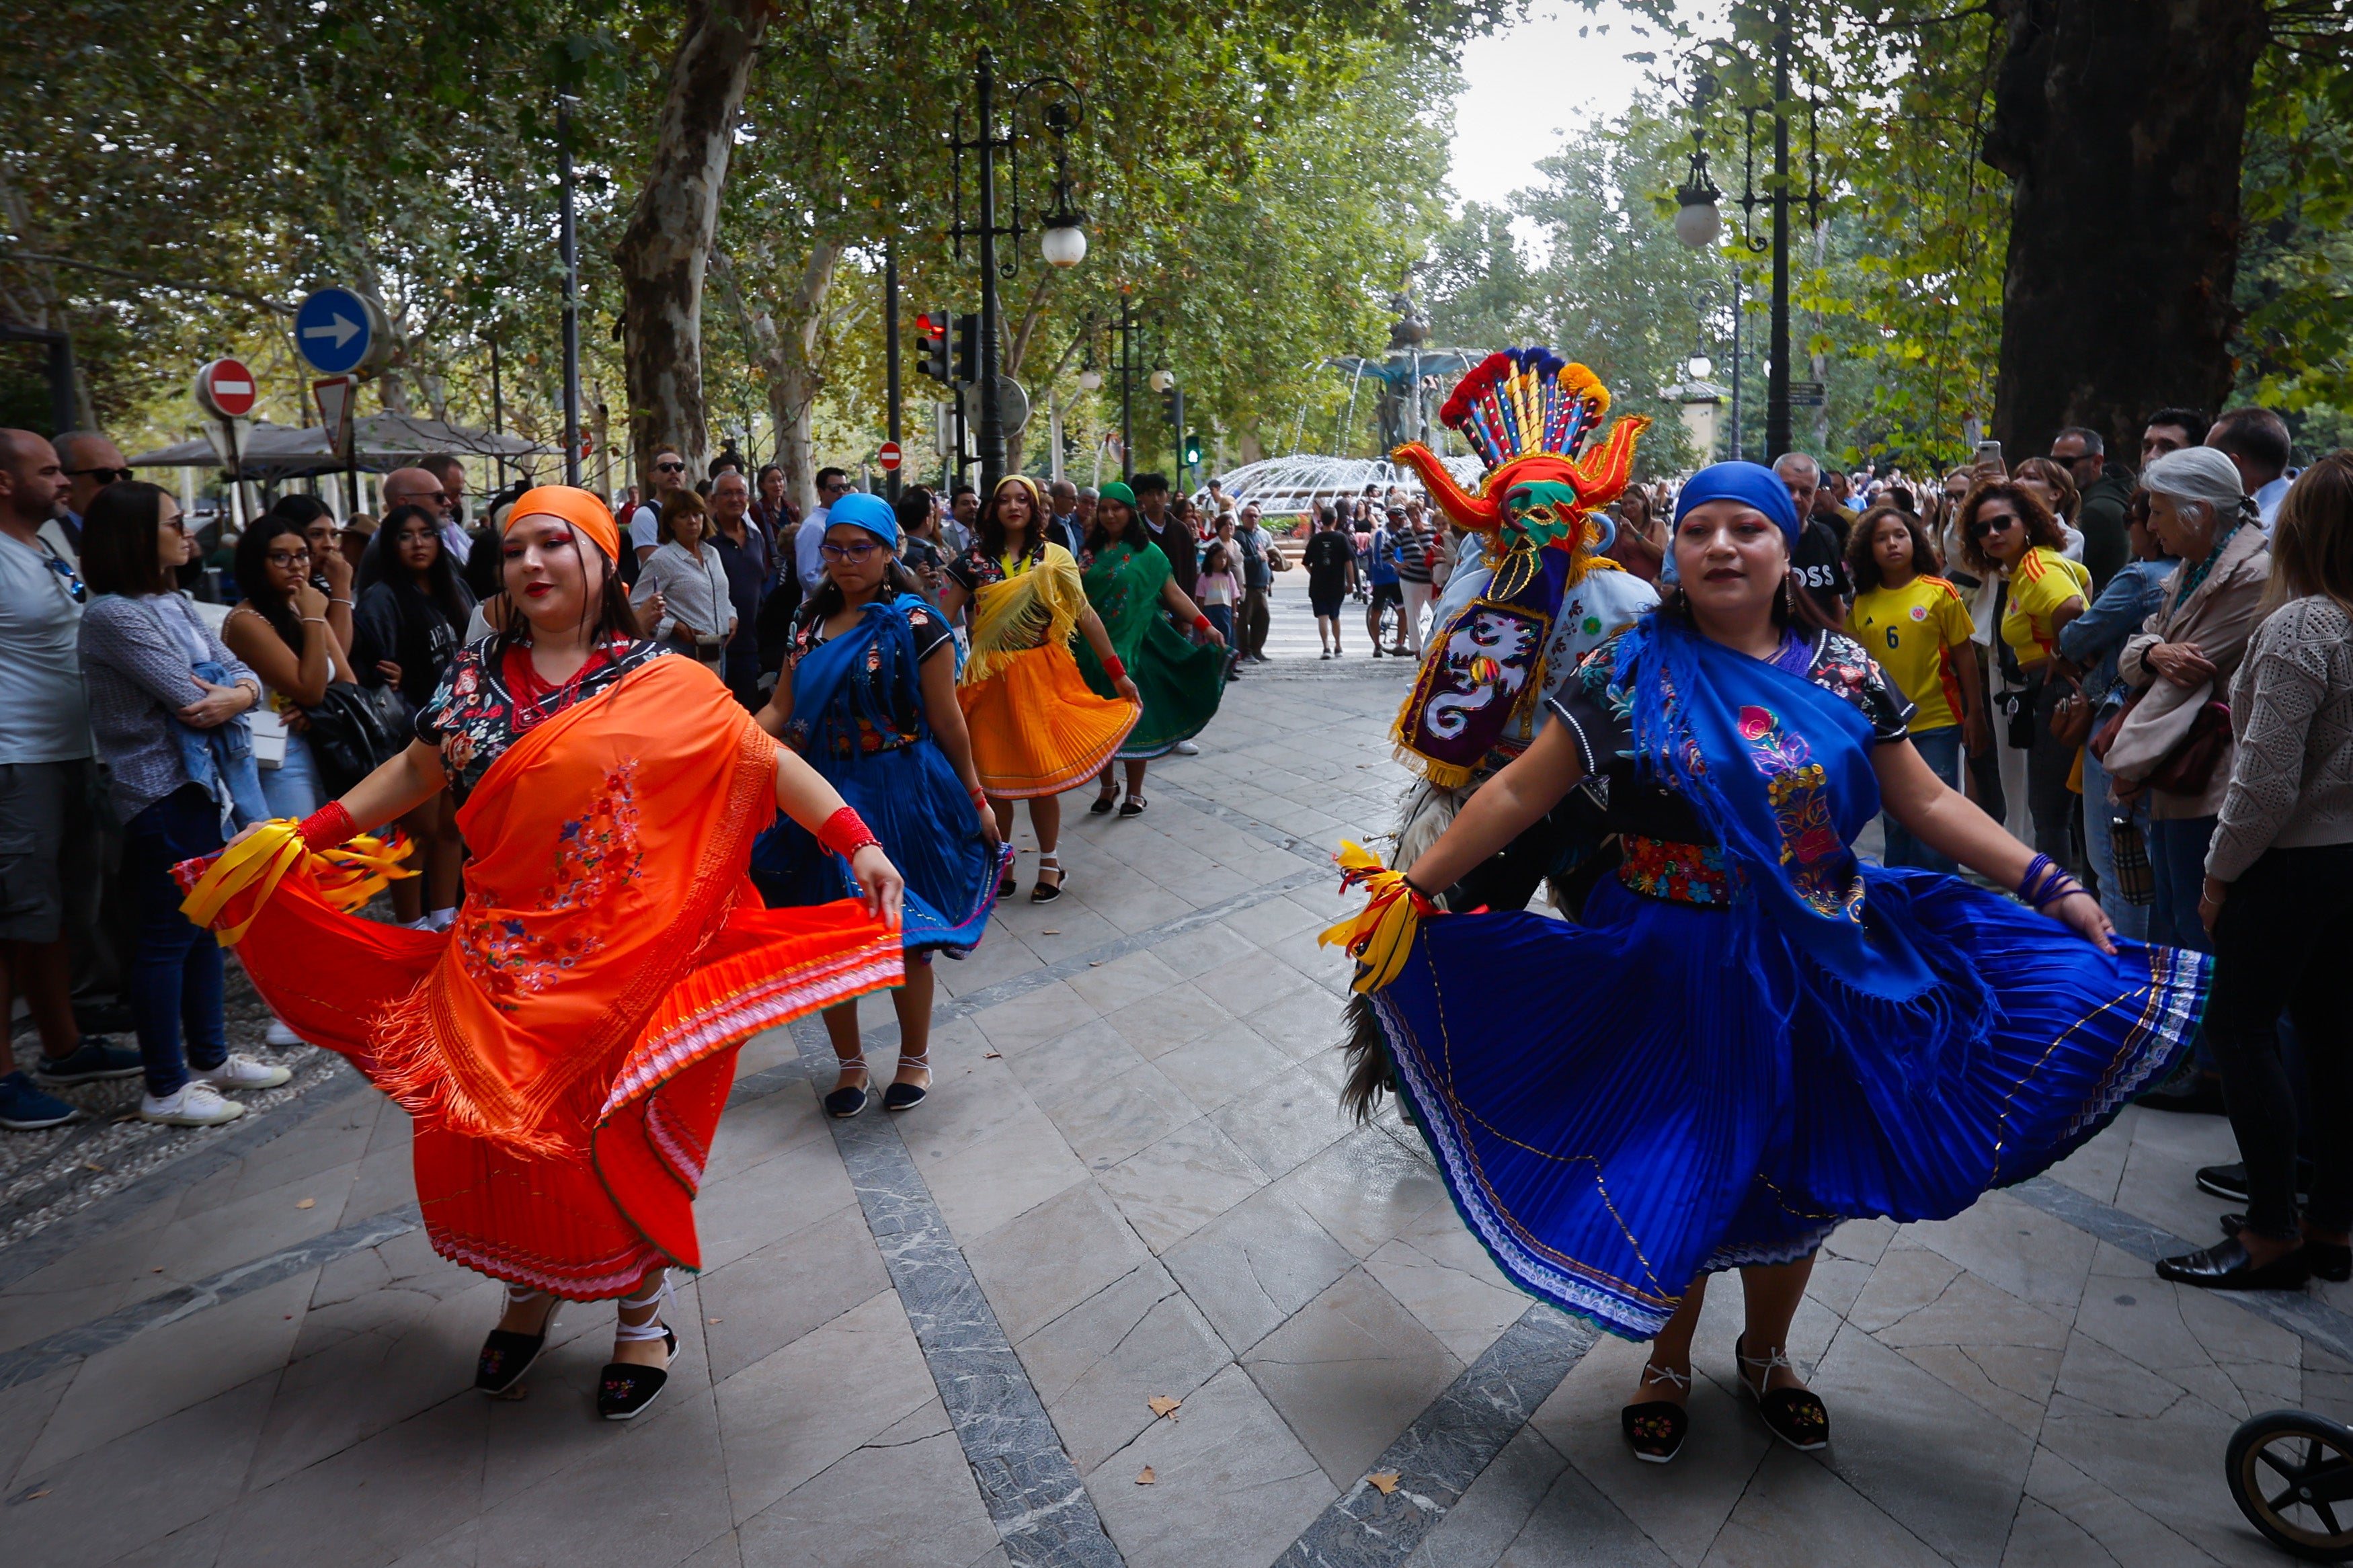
(1525, 412)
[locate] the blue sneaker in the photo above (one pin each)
(24, 1109)
(92, 1061)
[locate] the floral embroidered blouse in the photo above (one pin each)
(1599, 708)
(479, 711)
(976, 568)
(901, 700)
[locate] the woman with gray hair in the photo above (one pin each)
(2173, 741)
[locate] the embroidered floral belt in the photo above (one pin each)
(1679, 873)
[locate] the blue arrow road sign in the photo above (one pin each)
(332, 330)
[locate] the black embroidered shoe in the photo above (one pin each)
(624, 1388)
(507, 1355)
(1796, 1416)
(1654, 1429)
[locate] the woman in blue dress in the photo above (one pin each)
(1751, 1036)
(870, 703)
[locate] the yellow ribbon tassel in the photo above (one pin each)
(1378, 938)
(347, 876)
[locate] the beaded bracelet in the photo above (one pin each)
(845, 832)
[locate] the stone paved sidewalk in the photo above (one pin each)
(932, 1339)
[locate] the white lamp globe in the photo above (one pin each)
(1162, 380)
(1698, 224)
(1065, 246)
(1089, 379)
(1701, 368)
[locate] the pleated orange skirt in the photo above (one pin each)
(1037, 728)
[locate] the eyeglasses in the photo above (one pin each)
(180, 523)
(669, 468)
(281, 559)
(852, 552)
(103, 476)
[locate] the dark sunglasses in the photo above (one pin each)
(669, 468)
(103, 476)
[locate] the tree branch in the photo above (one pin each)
(150, 279)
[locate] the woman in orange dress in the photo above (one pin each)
(1037, 728)
(567, 1045)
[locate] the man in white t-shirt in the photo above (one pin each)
(831, 484)
(47, 830)
(645, 525)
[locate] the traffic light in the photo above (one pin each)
(1193, 445)
(932, 333)
(1172, 404)
(967, 349)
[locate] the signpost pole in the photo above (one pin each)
(891, 350)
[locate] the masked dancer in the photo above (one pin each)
(1753, 1035)
(566, 1047)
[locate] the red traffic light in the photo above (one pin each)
(926, 326)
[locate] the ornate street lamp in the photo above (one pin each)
(1063, 243)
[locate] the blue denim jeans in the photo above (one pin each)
(291, 787)
(1941, 749)
(2099, 842)
(175, 973)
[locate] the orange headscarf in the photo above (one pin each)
(576, 506)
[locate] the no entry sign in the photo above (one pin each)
(889, 457)
(224, 389)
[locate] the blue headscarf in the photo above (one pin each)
(869, 512)
(1751, 484)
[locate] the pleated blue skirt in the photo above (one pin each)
(912, 801)
(1665, 1090)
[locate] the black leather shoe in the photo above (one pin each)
(624, 1388)
(2226, 1266)
(2331, 1263)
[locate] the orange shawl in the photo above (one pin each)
(610, 947)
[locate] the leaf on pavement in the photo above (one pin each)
(308, 1203)
(1383, 1481)
(1162, 1405)
(1143, 1478)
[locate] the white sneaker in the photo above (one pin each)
(240, 1072)
(1186, 749)
(280, 1035)
(198, 1104)
(441, 920)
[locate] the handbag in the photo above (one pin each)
(2136, 884)
(2017, 703)
(354, 730)
(2187, 766)
(2071, 717)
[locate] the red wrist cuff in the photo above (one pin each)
(1200, 622)
(329, 825)
(1114, 668)
(845, 832)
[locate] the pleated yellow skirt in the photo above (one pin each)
(1037, 728)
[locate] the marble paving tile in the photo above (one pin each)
(1796, 1514)
(2067, 1517)
(2033, 1255)
(1451, 1287)
(141, 1487)
(1366, 1189)
(1174, 1187)
(1038, 1266)
(1232, 1485)
(1118, 1117)
(982, 1185)
(1349, 1372)
(1678, 1507)
(1105, 1360)
(787, 1288)
(1254, 1266)
(371, 1501)
(1286, 1121)
(1226, 1064)
(897, 1504)
(1488, 1518)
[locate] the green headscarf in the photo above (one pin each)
(1119, 492)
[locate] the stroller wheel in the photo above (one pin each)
(2291, 1473)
